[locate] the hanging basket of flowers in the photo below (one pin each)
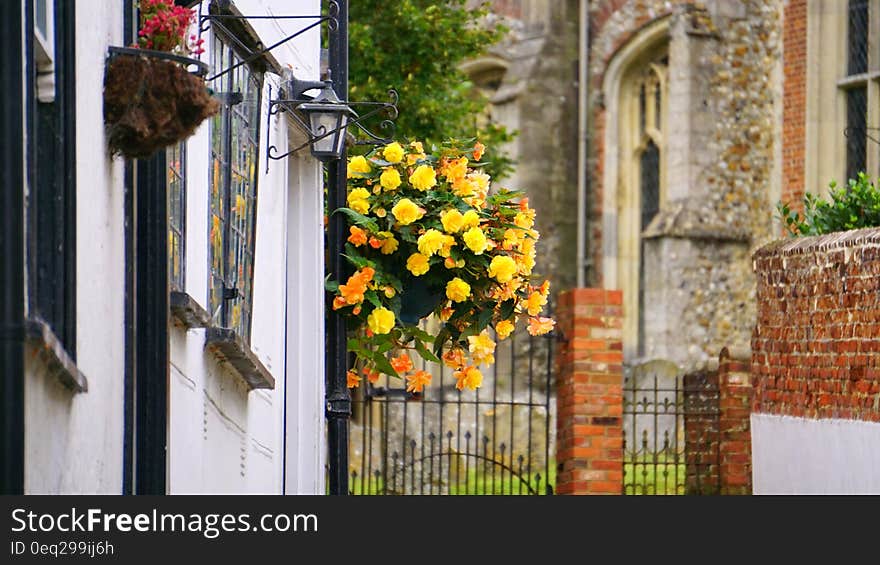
(429, 237)
(151, 97)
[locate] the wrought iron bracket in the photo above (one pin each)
(298, 88)
(201, 69)
(208, 20)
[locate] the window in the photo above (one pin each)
(175, 158)
(52, 206)
(234, 143)
(859, 62)
(642, 140)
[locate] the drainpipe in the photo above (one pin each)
(583, 261)
(12, 245)
(338, 398)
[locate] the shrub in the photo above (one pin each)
(855, 206)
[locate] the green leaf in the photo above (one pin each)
(359, 219)
(383, 364)
(423, 351)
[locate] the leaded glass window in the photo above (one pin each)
(234, 144)
(860, 86)
(175, 158)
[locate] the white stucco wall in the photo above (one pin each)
(73, 442)
(223, 438)
(804, 456)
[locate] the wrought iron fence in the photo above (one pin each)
(671, 432)
(498, 439)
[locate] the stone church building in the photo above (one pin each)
(656, 138)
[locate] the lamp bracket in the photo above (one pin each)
(291, 104)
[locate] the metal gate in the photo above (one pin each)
(671, 431)
(498, 439)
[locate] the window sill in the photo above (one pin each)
(187, 311)
(51, 351)
(230, 347)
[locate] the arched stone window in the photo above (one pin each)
(635, 94)
(641, 121)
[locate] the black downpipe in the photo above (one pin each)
(151, 335)
(338, 397)
(12, 244)
(128, 402)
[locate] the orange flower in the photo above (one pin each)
(446, 313)
(469, 377)
(353, 379)
(375, 242)
(358, 236)
(540, 325)
(402, 363)
(372, 376)
(454, 358)
(339, 302)
(417, 381)
(479, 148)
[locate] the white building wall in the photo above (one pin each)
(73, 442)
(805, 456)
(223, 438)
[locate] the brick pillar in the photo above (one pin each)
(589, 392)
(735, 403)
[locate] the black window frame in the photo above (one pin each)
(51, 207)
(231, 303)
(858, 66)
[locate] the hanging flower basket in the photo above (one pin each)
(155, 95)
(152, 100)
(429, 237)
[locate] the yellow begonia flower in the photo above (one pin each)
(423, 178)
(417, 264)
(448, 242)
(469, 377)
(504, 328)
(457, 290)
(452, 221)
(523, 220)
(475, 240)
(389, 244)
(481, 179)
(535, 303)
(358, 164)
(390, 179)
(381, 321)
(393, 152)
(471, 219)
(502, 268)
(358, 200)
(407, 212)
(456, 169)
(482, 348)
(464, 187)
(430, 242)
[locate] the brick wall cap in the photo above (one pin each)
(735, 353)
(804, 245)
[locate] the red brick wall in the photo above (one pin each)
(589, 392)
(816, 345)
(735, 403)
(794, 102)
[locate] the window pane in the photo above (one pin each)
(42, 15)
(650, 183)
(856, 122)
(233, 193)
(857, 61)
(175, 157)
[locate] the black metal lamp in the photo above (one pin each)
(328, 116)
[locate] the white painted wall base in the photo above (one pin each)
(803, 456)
